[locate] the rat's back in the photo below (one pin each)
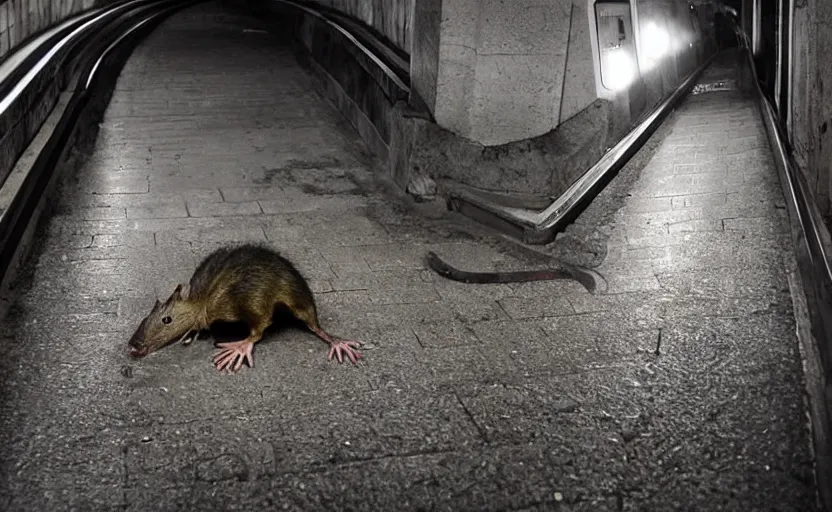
(244, 270)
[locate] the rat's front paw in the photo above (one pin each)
(233, 355)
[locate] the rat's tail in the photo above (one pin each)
(584, 276)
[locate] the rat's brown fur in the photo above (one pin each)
(232, 284)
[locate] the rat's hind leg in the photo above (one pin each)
(337, 347)
(234, 354)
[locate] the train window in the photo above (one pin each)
(616, 44)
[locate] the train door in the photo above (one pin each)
(772, 52)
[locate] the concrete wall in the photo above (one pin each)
(811, 116)
(392, 18)
(21, 19)
(499, 71)
(503, 66)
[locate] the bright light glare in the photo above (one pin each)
(619, 69)
(655, 43)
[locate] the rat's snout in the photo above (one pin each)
(137, 348)
(138, 352)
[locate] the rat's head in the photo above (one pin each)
(165, 323)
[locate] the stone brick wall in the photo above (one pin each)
(22, 19)
(390, 17)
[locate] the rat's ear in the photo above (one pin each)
(158, 303)
(180, 292)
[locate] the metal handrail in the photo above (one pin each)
(61, 43)
(541, 226)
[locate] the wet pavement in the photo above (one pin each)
(677, 387)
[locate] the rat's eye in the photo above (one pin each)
(166, 320)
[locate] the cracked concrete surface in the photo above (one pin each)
(678, 388)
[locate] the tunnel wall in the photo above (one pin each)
(391, 18)
(809, 133)
(22, 19)
(691, 39)
(810, 125)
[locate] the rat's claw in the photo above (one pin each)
(340, 348)
(222, 360)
